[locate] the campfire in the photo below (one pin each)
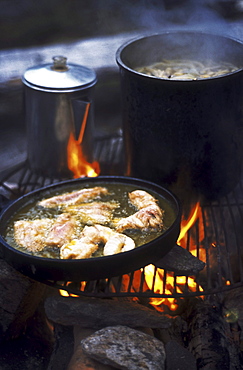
(185, 308)
(185, 311)
(172, 300)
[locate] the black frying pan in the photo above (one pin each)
(41, 269)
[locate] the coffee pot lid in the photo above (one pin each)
(59, 76)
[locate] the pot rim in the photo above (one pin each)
(171, 32)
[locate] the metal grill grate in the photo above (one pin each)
(216, 237)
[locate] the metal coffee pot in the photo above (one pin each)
(58, 100)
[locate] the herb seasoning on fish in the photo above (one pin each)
(90, 222)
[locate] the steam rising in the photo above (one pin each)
(124, 21)
(195, 15)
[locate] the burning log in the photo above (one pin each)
(63, 348)
(233, 307)
(233, 313)
(99, 313)
(176, 356)
(209, 336)
(181, 262)
(19, 300)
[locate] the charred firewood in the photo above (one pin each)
(233, 313)
(176, 331)
(233, 306)
(181, 262)
(209, 336)
(19, 300)
(63, 348)
(177, 355)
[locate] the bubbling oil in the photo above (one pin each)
(117, 192)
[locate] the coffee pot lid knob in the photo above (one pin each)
(59, 63)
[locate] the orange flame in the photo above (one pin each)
(155, 277)
(65, 293)
(77, 162)
(186, 224)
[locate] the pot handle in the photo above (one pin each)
(80, 109)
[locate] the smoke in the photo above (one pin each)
(199, 15)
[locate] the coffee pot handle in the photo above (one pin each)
(80, 109)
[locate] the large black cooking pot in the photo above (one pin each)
(92, 268)
(188, 130)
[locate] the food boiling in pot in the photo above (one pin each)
(187, 69)
(90, 222)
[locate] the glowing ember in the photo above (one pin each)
(65, 293)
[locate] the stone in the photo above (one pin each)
(98, 313)
(181, 261)
(79, 360)
(125, 348)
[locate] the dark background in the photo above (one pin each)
(27, 22)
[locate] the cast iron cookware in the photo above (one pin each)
(42, 269)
